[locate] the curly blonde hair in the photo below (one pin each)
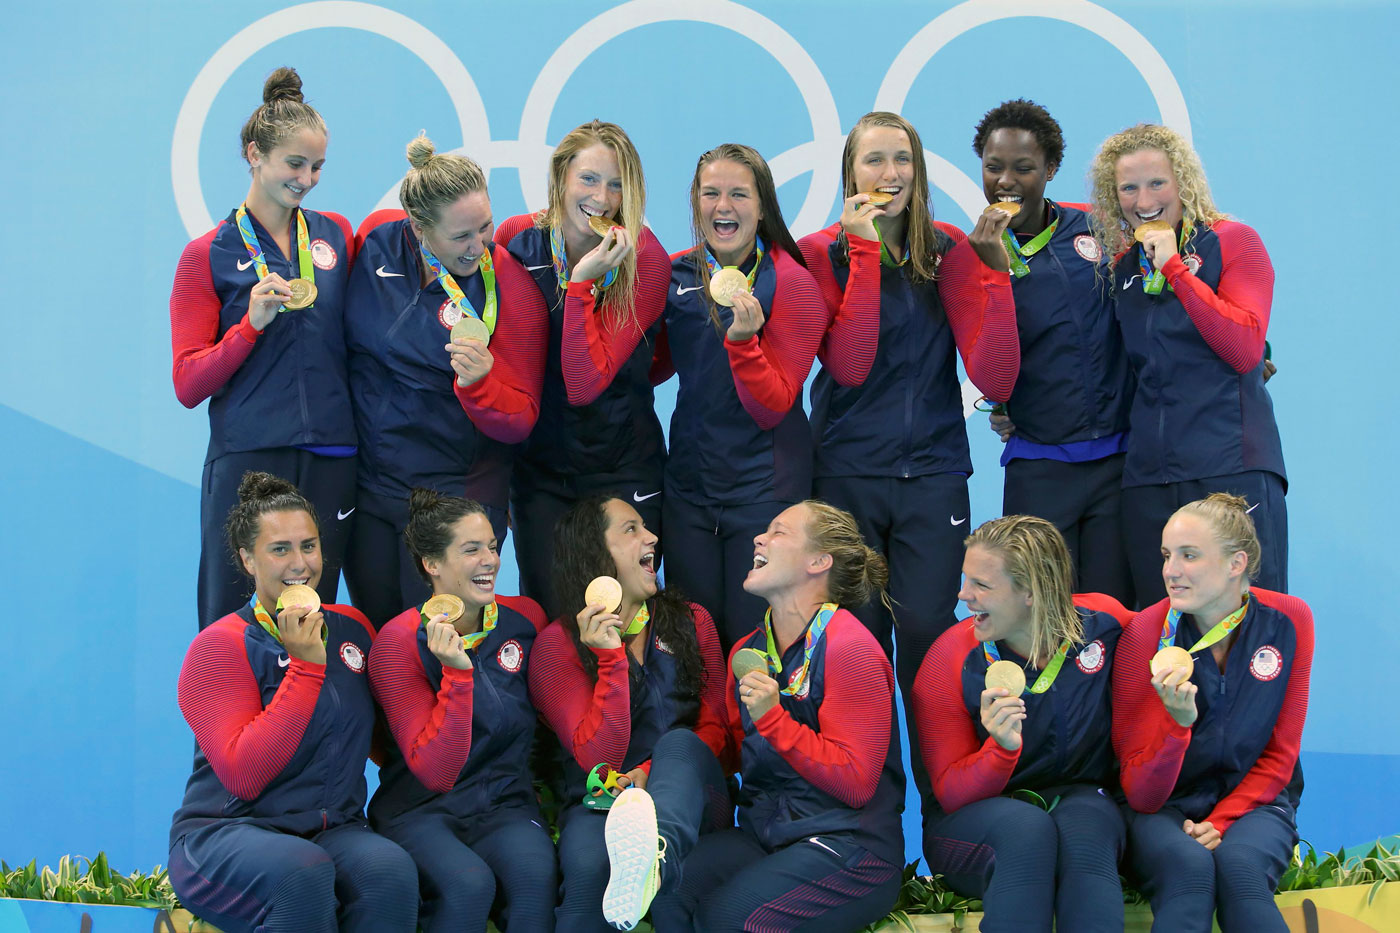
(1037, 561)
(1107, 222)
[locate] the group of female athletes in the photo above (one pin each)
(392, 400)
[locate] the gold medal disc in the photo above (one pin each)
(299, 594)
(470, 327)
(1006, 674)
(601, 225)
(303, 295)
(1152, 226)
(604, 591)
(725, 284)
(445, 603)
(1171, 657)
(879, 198)
(1006, 207)
(746, 660)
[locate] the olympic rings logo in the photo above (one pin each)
(529, 152)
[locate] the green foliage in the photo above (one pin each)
(924, 894)
(1307, 872)
(87, 881)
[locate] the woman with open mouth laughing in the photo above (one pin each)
(597, 430)
(1193, 293)
(741, 448)
(455, 789)
(1022, 814)
(447, 335)
(636, 687)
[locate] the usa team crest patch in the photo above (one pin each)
(1193, 262)
(1087, 247)
(510, 656)
(449, 314)
(803, 690)
(323, 255)
(662, 646)
(1266, 664)
(1091, 657)
(353, 657)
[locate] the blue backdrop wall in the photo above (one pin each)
(122, 128)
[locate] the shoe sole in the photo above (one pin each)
(632, 852)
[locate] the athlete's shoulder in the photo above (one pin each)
(526, 607)
(820, 240)
(508, 229)
(1299, 612)
(353, 614)
(380, 224)
(1101, 602)
(951, 231)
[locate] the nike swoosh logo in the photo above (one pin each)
(817, 842)
(387, 275)
(242, 266)
(693, 288)
(1251, 508)
(637, 498)
(956, 521)
(537, 268)
(283, 661)
(1130, 281)
(342, 516)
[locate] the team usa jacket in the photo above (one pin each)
(286, 385)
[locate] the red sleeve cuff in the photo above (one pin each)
(247, 331)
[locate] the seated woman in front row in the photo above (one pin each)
(1209, 763)
(455, 790)
(1013, 714)
(272, 835)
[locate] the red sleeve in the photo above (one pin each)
(848, 348)
(351, 247)
(246, 744)
(592, 350)
(962, 769)
(1099, 602)
(711, 725)
(433, 729)
(526, 607)
(661, 366)
(203, 362)
(1274, 767)
(593, 721)
(511, 227)
(1149, 744)
(376, 219)
(505, 403)
(771, 366)
(1233, 319)
(982, 313)
(845, 758)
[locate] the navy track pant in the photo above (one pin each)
(329, 484)
(243, 877)
(1028, 865)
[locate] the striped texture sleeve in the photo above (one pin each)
(592, 720)
(848, 348)
(1234, 318)
(203, 362)
(711, 725)
(1149, 744)
(982, 312)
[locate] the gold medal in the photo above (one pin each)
(303, 295)
(470, 327)
(747, 660)
(726, 283)
(1172, 657)
(604, 591)
(1152, 226)
(878, 198)
(300, 595)
(445, 603)
(1006, 674)
(601, 225)
(1011, 208)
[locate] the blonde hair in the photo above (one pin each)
(1037, 561)
(1106, 221)
(858, 571)
(617, 300)
(436, 181)
(282, 113)
(919, 233)
(1230, 522)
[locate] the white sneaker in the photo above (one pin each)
(635, 854)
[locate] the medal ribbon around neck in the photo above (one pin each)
(561, 262)
(270, 625)
(1224, 627)
(815, 629)
(305, 267)
(454, 291)
(758, 258)
(488, 625)
(1153, 280)
(886, 259)
(1014, 251)
(1047, 676)
(639, 621)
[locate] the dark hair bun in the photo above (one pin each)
(255, 485)
(421, 500)
(282, 84)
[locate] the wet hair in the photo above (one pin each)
(771, 227)
(1106, 221)
(259, 494)
(617, 299)
(1022, 114)
(580, 554)
(435, 182)
(430, 520)
(283, 112)
(926, 244)
(1230, 522)
(858, 571)
(1036, 559)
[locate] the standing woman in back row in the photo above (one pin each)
(435, 409)
(741, 449)
(1194, 294)
(233, 345)
(598, 431)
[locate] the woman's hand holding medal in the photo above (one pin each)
(748, 317)
(605, 257)
(446, 643)
(986, 236)
(267, 299)
(759, 693)
(858, 216)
